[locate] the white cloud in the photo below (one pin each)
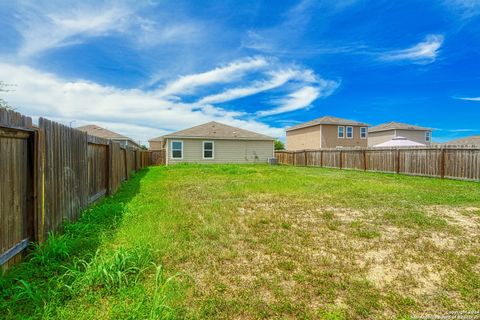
(43, 28)
(137, 113)
(229, 73)
(51, 25)
(277, 78)
(463, 130)
(422, 53)
(302, 98)
(469, 99)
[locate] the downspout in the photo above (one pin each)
(320, 133)
(166, 153)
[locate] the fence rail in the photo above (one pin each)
(451, 162)
(49, 174)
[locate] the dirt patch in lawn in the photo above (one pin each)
(466, 218)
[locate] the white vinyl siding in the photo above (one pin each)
(227, 151)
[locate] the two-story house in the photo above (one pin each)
(327, 132)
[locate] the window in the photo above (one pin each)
(349, 132)
(341, 132)
(207, 149)
(177, 149)
(363, 133)
(428, 136)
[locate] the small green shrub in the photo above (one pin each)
(111, 270)
(55, 249)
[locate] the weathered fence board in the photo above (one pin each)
(442, 162)
(97, 170)
(16, 185)
(158, 157)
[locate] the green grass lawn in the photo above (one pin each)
(255, 241)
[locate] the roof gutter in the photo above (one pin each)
(221, 138)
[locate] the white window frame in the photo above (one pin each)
(203, 150)
(429, 135)
(171, 150)
(366, 132)
(343, 132)
(346, 132)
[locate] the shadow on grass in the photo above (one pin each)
(45, 276)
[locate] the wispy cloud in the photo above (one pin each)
(302, 98)
(277, 78)
(422, 53)
(463, 130)
(284, 37)
(52, 25)
(274, 75)
(43, 28)
(466, 9)
(468, 98)
(229, 73)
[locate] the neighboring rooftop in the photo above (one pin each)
(396, 125)
(466, 141)
(100, 132)
(328, 120)
(215, 130)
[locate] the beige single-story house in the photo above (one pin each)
(327, 132)
(466, 141)
(214, 142)
(387, 131)
(100, 132)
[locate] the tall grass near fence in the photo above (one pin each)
(82, 264)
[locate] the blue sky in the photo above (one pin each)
(147, 68)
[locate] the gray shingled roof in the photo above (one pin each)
(466, 141)
(215, 130)
(396, 125)
(100, 132)
(328, 120)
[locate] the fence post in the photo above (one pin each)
(321, 158)
(305, 157)
(126, 163)
(442, 164)
(341, 160)
(39, 186)
(109, 167)
(398, 161)
(364, 160)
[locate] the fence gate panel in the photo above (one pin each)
(16, 193)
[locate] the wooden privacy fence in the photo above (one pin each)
(461, 163)
(158, 157)
(49, 174)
